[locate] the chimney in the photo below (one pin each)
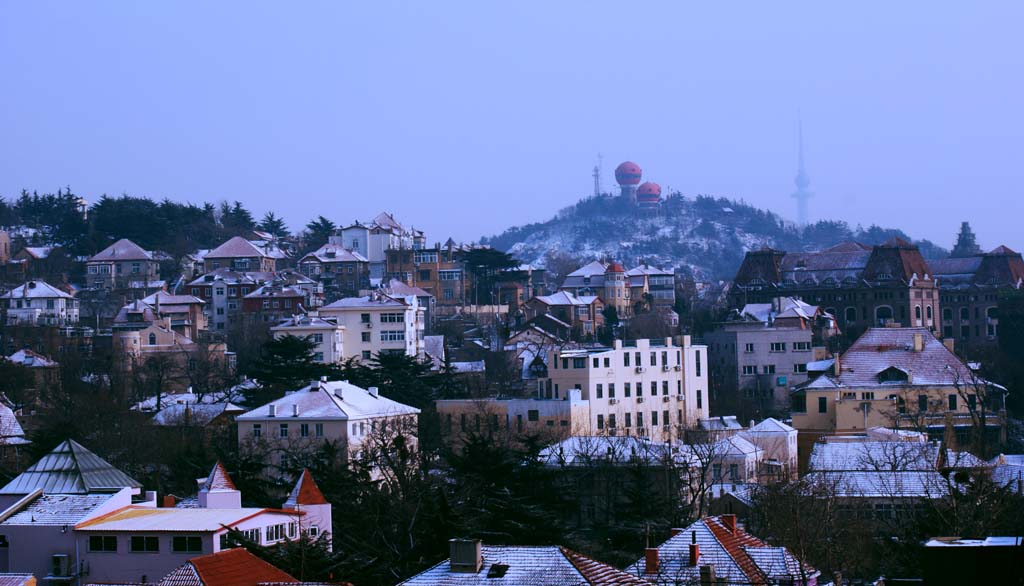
(694, 550)
(295, 409)
(651, 560)
(271, 410)
(707, 576)
(836, 369)
(918, 342)
(169, 501)
(323, 379)
(675, 531)
(466, 555)
(730, 522)
(374, 392)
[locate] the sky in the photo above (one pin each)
(464, 118)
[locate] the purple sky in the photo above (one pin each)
(464, 118)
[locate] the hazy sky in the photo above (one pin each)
(465, 118)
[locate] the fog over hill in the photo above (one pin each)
(705, 237)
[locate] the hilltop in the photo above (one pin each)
(705, 237)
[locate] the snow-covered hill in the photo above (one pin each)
(705, 237)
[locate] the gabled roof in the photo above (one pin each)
(879, 349)
(331, 400)
(11, 432)
(35, 290)
(186, 414)
(57, 509)
(369, 301)
(520, 565)
(874, 455)
(771, 425)
(166, 298)
(231, 567)
(305, 492)
(334, 253)
(738, 557)
(123, 249)
(564, 298)
(26, 357)
(236, 247)
(70, 469)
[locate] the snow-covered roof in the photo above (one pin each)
(57, 509)
(471, 366)
(334, 253)
(521, 565)
(377, 300)
(195, 415)
(720, 423)
(331, 400)
(882, 483)
(35, 290)
(39, 252)
(121, 250)
(738, 557)
(305, 322)
(869, 455)
(160, 520)
(166, 298)
(30, 359)
(11, 432)
(237, 247)
(771, 425)
(587, 450)
(70, 469)
(565, 298)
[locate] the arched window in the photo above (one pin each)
(917, 312)
(851, 315)
(152, 339)
(883, 313)
(928, 311)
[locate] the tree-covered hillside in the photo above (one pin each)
(703, 236)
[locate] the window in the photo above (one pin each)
(922, 403)
(274, 533)
(801, 346)
(144, 544)
(928, 312)
(392, 318)
(607, 362)
(778, 347)
(716, 472)
(392, 335)
(318, 357)
(952, 402)
(639, 389)
(748, 347)
(317, 338)
(424, 275)
(654, 359)
(965, 314)
(629, 420)
(579, 362)
(283, 430)
(664, 418)
(104, 543)
(449, 275)
(600, 421)
(364, 318)
(867, 396)
(734, 472)
(749, 369)
(664, 387)
(366, 354)
(654, 388)
(600, 390)
(800, 368)
(152, 339)
(533, 415)
(257, 430)
(611, 390)
(318, 429)
(365, 337)
(639, 419)
(626, 390)
(822, 405)
(654, 418)
(611, 420)
(304, 430)
(625, 358)
(187, 544)
(947, 314)
(700, 404)
(769, 369)
(697, 362)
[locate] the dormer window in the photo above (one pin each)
(893, 375)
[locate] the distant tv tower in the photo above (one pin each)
(597, 175)
(802, 181)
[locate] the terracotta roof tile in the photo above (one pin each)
(233, 567)
(598, 573)
(306, 492)
(219, 479)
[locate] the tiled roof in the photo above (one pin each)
(400, 289)
(70, 469)
(305, 492)
(331, 400)
(57, 509)
(879, 349)
(166, 298)
(236, 247)
(35, 290)
(218, 479)
(738, 557)
(527, 566)
(232, 567)
(882, 483)
(564, 298)
(11, 432)
(874, 455)
(123, 249)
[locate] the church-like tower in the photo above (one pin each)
(966, 243)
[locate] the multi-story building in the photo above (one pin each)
(379, 323)
(225, 291)
(272, 303)
(900, 378)
(759, 355)
(39, 303)
(648, 388)
(969, 290)
(659, 284)
(325, 333)
(373, 239)
(239, 254)
(554, 419)
(184, 311)
(323, 411)
(343, 272)
(643, 285)
(439, 271)
(119, 265)
(582, 316)
(173, 355)
(863, 286)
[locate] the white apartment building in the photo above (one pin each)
(325, 333)
(326, 411)
(39, 303)
(649, 388)
(379, 323)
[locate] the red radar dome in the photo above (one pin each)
(628, 173)
(649, 189)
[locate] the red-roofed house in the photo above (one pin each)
(120, 264)
(238, 254)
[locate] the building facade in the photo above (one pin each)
(39, 303)
(325, 333)
(379, 323)
(119, 265)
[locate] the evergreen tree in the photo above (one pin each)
(273, 225)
